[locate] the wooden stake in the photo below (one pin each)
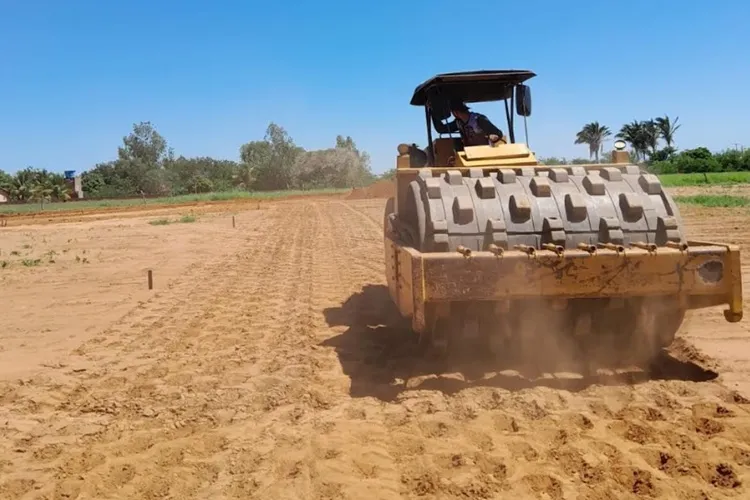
(233, 221)
(150, 280)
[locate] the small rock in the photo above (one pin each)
(149, 413)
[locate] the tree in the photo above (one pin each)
(271, 162)
(361, 171)
(388, 174)
(255, 157)
(60, 192)
(143, 151)
(643, 137)
(22, 186)
(5, 180)
(42, 191)
(651, 134)
(201, 174)
(553, 160)
(634, 133)
(667, 129)
(32, 184)
(663, 154)
(335, 168)
(345, 143)
(283, 156)
(145, 164)
(145, 145)
(593, 135)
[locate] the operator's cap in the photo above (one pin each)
(457, 105)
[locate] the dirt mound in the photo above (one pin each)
(381, 189)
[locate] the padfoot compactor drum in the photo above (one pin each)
(485, 246)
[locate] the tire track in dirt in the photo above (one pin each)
(295, 441)
(363, 236)
(184, 396)
(166, 398)
(376, 225)
(458, 435)
(334, 448)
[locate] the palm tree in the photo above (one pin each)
(41, 192)
(593, 135)
(667, 128)
(22, 185)
(635, 134)
(60, 191)
(651, 134)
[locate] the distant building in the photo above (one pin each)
(4, 196)
(75, 183)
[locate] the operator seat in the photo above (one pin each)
(443, 148)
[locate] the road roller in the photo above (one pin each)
(486, 246)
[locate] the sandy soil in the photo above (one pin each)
(77, 214)
(268, 362)
(731, 190)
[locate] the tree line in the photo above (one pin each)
(146, 166)
(35, 185)
(652, 143)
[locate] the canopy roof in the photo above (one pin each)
(471, 86)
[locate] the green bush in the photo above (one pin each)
(701, 160)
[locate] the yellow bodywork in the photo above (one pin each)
(487, 247)
(416, 278)
(695, 275)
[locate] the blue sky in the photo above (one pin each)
(75, 76)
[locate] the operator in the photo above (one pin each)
(475, 128)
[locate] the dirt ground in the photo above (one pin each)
(268, 362)
(74, 214)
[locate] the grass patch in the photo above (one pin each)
(714, 200)
(714, 179)
(168, 200)
(31, 262)
(165, 221)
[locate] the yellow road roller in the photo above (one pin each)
(485, 245)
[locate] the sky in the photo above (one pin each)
(210, 76)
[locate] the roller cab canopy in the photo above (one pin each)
(475, 86)
(471, 86)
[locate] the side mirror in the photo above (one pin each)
(523, 100)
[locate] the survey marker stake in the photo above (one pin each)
(150, 280)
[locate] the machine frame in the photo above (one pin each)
(444, 278)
